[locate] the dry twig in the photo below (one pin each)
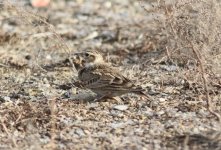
(202, 70)
(8, 133)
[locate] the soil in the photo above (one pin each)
(41, 108)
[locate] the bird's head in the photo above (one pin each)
(86, 58)
(78, 61)
(92, 57)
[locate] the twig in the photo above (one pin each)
(25, 14)
(52, 107)
(168, 55)
(3, 65)
(185, 142)
(208, 100)
(9, 135)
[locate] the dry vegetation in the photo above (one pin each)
(171, 48)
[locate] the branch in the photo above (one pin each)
(205, 83)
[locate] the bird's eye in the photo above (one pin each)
(77, 57)
(87, 55)
(83, 61)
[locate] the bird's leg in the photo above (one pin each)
(100, 98)
(79, 84)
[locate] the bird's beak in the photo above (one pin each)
(77, 61)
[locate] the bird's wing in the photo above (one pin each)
(105, 76)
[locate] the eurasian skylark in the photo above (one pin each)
(101, 78)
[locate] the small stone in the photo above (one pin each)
(160, 112)
(92, 105)
(108, 4)
(40, 3)
(162, 100)
(120, 107)
(80, 132)
(169, 68)
(48, 57)
(117, 125)
(6, 98)
(169, 90)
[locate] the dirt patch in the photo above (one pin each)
(40, 108)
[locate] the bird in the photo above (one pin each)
(101, 77)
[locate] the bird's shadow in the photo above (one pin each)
(83, 97)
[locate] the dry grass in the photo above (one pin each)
(171, 48)
(191, 31)
(193, 34)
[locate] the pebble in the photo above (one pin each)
(6, 98)
(120, 107)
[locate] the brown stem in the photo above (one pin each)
(208, 100)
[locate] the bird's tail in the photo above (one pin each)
(140, 91)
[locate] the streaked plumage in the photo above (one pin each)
(100, 77)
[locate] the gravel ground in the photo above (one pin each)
(37, 110)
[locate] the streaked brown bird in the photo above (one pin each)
(101, 78)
